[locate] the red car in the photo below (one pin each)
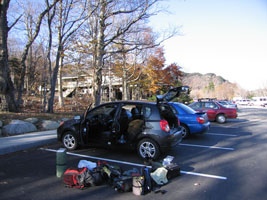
(215, 111)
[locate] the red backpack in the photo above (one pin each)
(78, 178)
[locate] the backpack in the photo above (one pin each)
(123, 184)
(78, 178)
(111, 172)
(97, 174)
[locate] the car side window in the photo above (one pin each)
(146, 111)
(108, 110)
(210, 105)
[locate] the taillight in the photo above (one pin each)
(178, 121)
(164, 126)
(201, 120)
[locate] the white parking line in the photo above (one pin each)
(225, 126)
(204, 175)
(98, 158)
(139, 165)
(220, 134)
(203, 146)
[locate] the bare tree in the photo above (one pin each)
(115, 19)
(7, 91)
(26, 50)
(71, 17)
(132, 50)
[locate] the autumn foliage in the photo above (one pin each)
(158, 75)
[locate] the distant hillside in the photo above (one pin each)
(209, 85)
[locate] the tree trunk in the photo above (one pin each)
(60, 91)
(100, 53)
(124, 79)
(7, 91)
(29, 59)
(55, 72)
(54, 81)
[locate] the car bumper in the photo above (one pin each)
(199, 128)
(172, 140)
(233, 116)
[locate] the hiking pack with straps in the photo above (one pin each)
(78, 178)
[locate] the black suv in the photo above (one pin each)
(151, 128)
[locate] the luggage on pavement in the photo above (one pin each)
(148, 182)
(173, 170)
(78, 178)
(123, 184)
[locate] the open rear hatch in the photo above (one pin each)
(171, 94)
(165, 110)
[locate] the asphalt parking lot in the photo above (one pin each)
(229, 162)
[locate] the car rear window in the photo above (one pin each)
(187, 109)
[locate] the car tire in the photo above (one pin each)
(70, 141)
(148, 148)
(220, 118)
(185, 131)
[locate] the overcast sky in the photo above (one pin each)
(225, 37)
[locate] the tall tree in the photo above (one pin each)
(7, 91)
(159, 76)
(124, 14)
(131, 52)
(70, 18)
(27, 48)
(116, 29)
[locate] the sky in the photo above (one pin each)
(225, 37)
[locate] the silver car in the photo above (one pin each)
(227, 104)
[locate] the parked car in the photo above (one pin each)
(215, 110)
(259, 101)
(151, 128)
(191, 121)
(228, 104)
(243, 102)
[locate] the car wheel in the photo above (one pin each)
(69, 141)
(220, 118)
(147, 148)
(185, 131)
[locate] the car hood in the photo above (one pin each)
(71, 122)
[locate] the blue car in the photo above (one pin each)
(191, 121)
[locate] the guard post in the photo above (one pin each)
(61, 161)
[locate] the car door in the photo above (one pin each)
(211, 108)
(99, 122)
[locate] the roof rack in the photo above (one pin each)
(207, 99)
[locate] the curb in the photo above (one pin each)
(26, 141)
